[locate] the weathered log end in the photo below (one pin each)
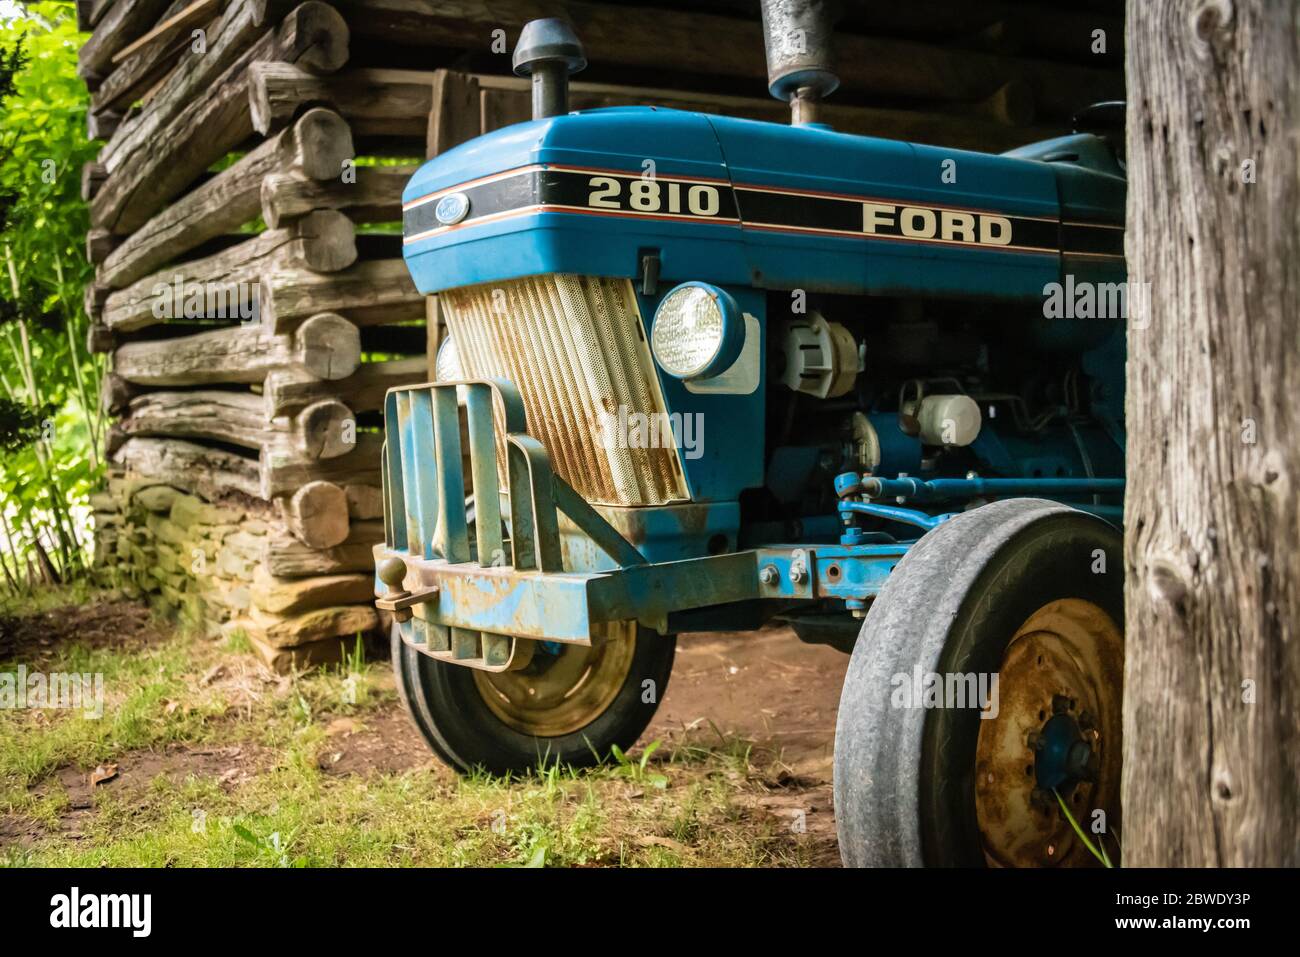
(328, 346)
(325, 429)
(315, 36)
(328, 240)
(317, 514)
(319, 143)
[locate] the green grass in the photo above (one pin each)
(673, 803)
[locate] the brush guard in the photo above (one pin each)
(480, 600)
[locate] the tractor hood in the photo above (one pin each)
(746, 203)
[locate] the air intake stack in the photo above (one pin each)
(548, 51)
(800, 57)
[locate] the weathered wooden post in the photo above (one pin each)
(1212, 683)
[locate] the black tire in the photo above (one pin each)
(904, 777)
(449, 710)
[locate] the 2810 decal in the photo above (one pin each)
(645, 195)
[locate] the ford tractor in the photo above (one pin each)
(701, 373)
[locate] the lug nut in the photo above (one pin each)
(798, 573)
(769, 575)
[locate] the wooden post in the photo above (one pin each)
(455, 116)
(1211, 720)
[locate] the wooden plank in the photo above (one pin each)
(375, 196)
(223, 416)
(97, 9)
(203, 470)
(93, 175)
(102, 125)
(454, 116)
(322, 241)
(195, 13)
(367, 292)
(100, 243)
(313, 149)
(145, 70)
(321, 430)
(243, 23)
(284, 472)
(285, 392)
(506, 100)
(124, 21)
(207, 127)
(703, 44)
(374, 102)
(325, 346)
(213, 472)
(285, 557)
(1211, 606)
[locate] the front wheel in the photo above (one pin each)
(987, 680)
(567, 706)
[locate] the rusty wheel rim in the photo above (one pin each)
(1061, 680)
(558, 694)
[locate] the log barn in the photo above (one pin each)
(245, 210)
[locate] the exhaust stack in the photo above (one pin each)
(800, 57)
(548, 51)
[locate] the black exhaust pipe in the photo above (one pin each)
(548, 51)
(797, 35)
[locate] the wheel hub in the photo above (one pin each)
(1064, 757)
(562, 689)
(1057, 731)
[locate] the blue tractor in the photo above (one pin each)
(702, 373)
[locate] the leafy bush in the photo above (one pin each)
(50, 421)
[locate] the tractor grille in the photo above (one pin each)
(575, 348)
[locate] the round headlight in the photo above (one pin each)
(698, 331)
(447, 368)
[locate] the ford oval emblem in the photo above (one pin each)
(451, 209)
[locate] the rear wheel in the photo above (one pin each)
(568, 705)
(1026, 592)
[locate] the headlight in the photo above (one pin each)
(698, 331)
(447, 368)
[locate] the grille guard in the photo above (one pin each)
(454, 606)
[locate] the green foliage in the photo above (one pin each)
(636, 770)
(50, 423)
(1096, 850)
(43, 144)
(20, 425)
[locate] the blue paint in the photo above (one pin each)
(1071, 179)
(747, 152)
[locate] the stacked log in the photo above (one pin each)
(251, 298)
(249, 285)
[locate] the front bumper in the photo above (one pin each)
(454, 605)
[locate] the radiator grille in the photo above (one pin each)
(575, 348)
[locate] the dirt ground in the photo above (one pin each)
(38, 639)
(766, 688)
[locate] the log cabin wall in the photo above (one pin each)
(244, 227)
